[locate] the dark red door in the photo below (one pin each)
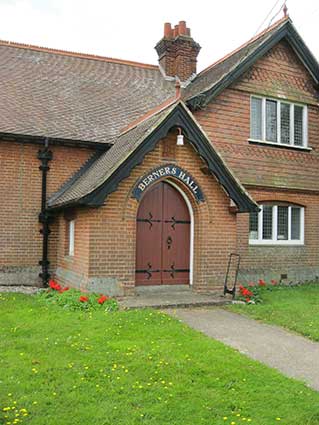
(163, 237)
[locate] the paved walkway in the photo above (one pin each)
(291, 354)
(20, 288)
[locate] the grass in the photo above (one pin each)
(295, 308)
(61, 367)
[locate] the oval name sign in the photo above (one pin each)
(169, 170)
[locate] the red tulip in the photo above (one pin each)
(52, 284)
(102, 299)
(83, 299)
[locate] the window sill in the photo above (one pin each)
(279, 145)
(274, 244)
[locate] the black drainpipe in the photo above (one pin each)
(44, 155)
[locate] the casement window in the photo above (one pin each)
(277, 225)
(70, 234)
(278, 122)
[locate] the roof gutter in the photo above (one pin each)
(38, 140)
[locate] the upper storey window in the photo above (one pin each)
(274, 121)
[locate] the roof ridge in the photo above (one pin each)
(251, 40)
(76, 54)
(154, 111)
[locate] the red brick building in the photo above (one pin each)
(116, 174)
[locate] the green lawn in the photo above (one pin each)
(295, 308)
(59, 367)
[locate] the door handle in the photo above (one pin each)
(169, 242)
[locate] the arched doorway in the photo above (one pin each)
(163, 237)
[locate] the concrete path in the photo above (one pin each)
(29, 290)
(293, 355)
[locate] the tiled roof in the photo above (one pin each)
(58, 94)
(45, 92)
(98, 172)
(210, 76)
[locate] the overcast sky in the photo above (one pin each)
(129, 29)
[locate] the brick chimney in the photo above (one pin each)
(177, 51)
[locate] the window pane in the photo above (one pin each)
(71, 237)
(282, 223)
(285, 123)
(271, 120)
(253, 225)
(295, 223)
(298, 125)
(256, 120)
(267, 222)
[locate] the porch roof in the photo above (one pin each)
(101, 175)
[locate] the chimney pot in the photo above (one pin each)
(167, 30)
(182, 28)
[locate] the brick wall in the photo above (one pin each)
(299, 263)
(227, 121)
(76, 268)
(112, 230)
(271, 173)
(20, 188)
(280, 73)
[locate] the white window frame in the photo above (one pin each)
(71, 234)
(292, 123)
(274, 240)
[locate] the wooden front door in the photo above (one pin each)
(163, 237)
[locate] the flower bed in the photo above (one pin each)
(251, 293)
(74, 299)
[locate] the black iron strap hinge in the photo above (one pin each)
(148, 271)
(149, 220)
(174, 222)
(172, 271)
